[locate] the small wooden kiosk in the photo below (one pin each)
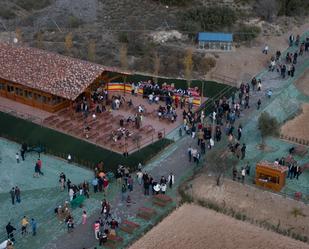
(270, 175)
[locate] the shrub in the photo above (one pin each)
(293, 7)
(33, 4)
(268, 126)
(247, 33)
(7, 13)
(199, 19)
(74, 22)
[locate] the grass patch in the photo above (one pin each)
(60, 144)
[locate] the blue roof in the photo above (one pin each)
(207, 36)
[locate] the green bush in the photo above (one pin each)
(293, 7)
(74, 22)
(60, 144)
(33, 4)
(7, 13)
(247, 33)
(199, 19)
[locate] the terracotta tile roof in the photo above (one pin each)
(49, 72)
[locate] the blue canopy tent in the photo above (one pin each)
(215, 41)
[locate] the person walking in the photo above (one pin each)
(130, 183)
(24, 225)
(10, 231)
(84, 217)
(95, 185)
(17, 194)
(171, 180)
(33, 226)
(12, 193)
(239, 130)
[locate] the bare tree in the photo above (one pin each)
(19, 34)
(267, 9)
(91, 50)
(123, 56)
(39, 40)
(188, 64)
(219, 162)
(156, 66)
(68, 42)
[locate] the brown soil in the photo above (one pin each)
(195, 227)
(302, 83)
(254, 203)
(298, 127)
(245, 62)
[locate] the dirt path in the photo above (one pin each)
(254, 203)
(298, 127)
(184, 229)
(248, 61)
(302, 83)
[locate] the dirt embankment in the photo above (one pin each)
(258, 205)
(298, 126)
(195, 227)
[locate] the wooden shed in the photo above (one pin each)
(270, 175)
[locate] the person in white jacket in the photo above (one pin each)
(171, 180)
(71, 194)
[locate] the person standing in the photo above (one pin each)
(171, 180)
(243, 174)
(17, 157)
(10, 231)
(84, 217)
(130, 183)
(17, 194)
(190, 153)
(243, 151)
(259, 104)
(123, 192)
(71, 194)
(33, 226)
(139, 176)
(12, 193)
(95, 185)
(24, 225)
(239, 130)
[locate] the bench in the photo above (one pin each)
(164, 198)
(114, 238)
(147, 210)
(131, 223)
(159, 203)
(144, 215)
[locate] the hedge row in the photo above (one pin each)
(60, 144)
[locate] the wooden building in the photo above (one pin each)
(46, 80)
(270, 176)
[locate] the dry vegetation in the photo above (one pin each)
(196, 227)
(101, 29)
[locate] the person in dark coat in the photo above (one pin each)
(10, 231)
(12, 193)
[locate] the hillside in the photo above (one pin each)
(151, 36)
